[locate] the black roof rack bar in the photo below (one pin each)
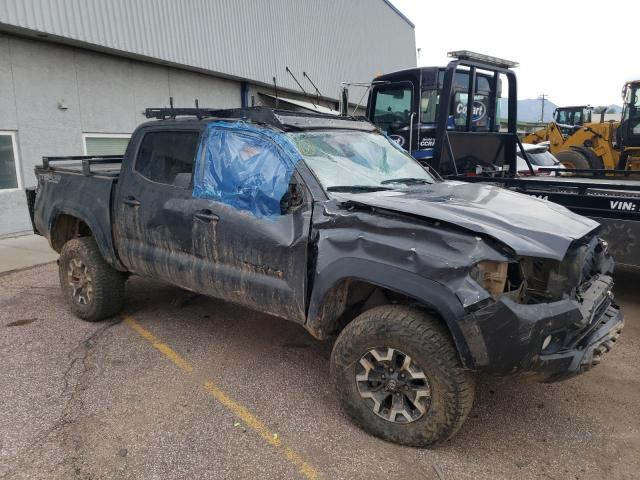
(163, 113)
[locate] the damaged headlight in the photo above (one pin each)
(491, 275)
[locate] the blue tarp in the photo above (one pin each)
(244, 166)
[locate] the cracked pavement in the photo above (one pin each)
(93, 401)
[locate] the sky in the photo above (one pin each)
(575, 52)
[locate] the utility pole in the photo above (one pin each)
(542, 97)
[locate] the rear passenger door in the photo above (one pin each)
(154, 209)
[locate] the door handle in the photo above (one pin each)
(206, 215)
(131, 201)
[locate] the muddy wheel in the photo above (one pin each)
(398, 376)
(573, 159)
(92, 288)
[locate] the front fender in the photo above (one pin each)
(425, 291)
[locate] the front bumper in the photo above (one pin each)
(553, 367)
(507, 338)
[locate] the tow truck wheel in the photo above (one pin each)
(398, 375)
(573, 159)
(92, 288)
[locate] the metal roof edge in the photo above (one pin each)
(400, 14)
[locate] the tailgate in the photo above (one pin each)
(31, 202)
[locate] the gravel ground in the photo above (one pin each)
(96, 401)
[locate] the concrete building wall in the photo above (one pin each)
(102, 94)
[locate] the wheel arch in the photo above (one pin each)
(70, 222)
(354, 286)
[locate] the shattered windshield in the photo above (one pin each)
(357, 161)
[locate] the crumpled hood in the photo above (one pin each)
(530, 226)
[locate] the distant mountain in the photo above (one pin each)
(529, 110)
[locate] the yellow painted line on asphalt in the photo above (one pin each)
(228, 402)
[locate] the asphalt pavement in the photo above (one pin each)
(183, 387)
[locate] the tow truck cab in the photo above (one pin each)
(405, 105)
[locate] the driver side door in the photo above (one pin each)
(252, 247)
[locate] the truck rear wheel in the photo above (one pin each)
(398, 376)
(92, 288)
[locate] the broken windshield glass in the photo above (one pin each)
(359, 159)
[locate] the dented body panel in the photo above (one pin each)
(327, 256)
(530, 228)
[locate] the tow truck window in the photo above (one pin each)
(479, 116)
(167, 157)
(429, 106)
(392, 106)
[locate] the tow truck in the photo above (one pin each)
(464, 142)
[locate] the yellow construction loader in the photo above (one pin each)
(592, 145)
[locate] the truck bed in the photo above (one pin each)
(80, 187)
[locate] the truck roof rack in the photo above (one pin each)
(165, 113)
(282, 119)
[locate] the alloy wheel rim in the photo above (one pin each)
(80, 281)
(393, 385)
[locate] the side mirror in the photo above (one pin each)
(344, 101)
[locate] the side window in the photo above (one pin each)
(392, 107)
(167, 157)
(562, 117)
(429, 106)
(577, 119)
(243, 170)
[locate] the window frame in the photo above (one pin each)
(86, 135)
(16, 161)
(134, 166)
(404, 84)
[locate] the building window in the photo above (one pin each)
(105, 143)
(9, 172)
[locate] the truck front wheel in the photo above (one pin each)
(398, 376)
(92, 288)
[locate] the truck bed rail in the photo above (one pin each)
(108, 165)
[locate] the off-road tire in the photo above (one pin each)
(428, 342)
(107, 296)
(594, 160)
(573, 159)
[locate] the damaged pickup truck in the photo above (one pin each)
(324, 221)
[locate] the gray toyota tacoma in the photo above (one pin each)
(324, 221)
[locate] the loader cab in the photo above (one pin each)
(570, 119)
(573, 116)
(628, 134)
(406, 106)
